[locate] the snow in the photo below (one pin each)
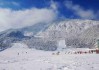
(68, 28)
(61, 44)
(28, 33)
(19, 45)
(31, 59)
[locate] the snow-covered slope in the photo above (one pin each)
(76, 33)
(34, 29)
(19, 45)
(10, 36)
(30, 59)
(69, 28)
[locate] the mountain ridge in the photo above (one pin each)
(72, 31)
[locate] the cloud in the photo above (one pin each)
(22, 18)
(3, 3)
(81, 12)
(54, 5)
(15, 3)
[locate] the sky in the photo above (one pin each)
(22, 13)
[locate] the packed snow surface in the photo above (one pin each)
(30, 59)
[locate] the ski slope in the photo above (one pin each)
(29, 59)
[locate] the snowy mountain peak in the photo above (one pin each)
(68, 28)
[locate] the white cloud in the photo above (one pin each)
(81, 12)
(3, 3)
(54, 5)
(15, 3)
(22, 18)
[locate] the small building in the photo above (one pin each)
(61, 44)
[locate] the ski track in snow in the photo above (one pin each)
(29, 59)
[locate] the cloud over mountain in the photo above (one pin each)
(21, 18)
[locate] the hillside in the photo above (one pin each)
(76, 33)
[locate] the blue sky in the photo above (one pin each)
(92, 5)
(22, 13)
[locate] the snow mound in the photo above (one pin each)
(19, 45)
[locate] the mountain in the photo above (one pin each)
(76, 32)
(68, 28)
(45, 36)
(34, 29)
(10, 36)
